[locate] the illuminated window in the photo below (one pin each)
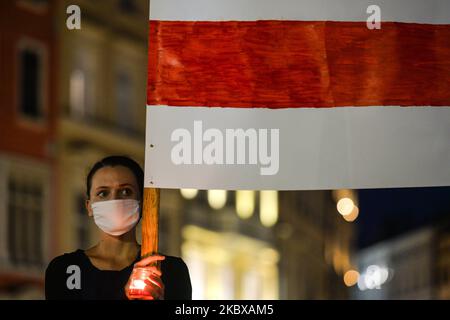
(78, 93)
(83, 82)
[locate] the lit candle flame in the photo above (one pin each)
(138, 284)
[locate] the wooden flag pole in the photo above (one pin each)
(149, 246)
(150, 222)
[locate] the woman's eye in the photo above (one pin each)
(102, 194)
(126, 192)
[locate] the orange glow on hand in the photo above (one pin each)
(144, 283)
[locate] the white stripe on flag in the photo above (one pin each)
(370, 147)
(419, 11)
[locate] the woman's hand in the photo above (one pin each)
(145, 281)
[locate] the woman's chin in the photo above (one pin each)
(124, 236)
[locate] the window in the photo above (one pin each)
(31, 86)
(81, 89)
(36, 6)
(78, 93)
(127, 6)
(124, 101)
(39, 2)
(25, 216)
(83, 81)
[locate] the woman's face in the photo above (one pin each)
(112, 183)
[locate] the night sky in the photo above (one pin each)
(385, 213)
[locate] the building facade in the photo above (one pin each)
(412, 266)
(68, 98)
(28, 60)
(441, 278)
(102, 94)
(316, 245)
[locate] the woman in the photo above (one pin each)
(114, 195)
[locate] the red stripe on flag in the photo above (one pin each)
(278, 64)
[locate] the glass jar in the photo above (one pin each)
(137, 283)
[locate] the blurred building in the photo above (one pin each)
(28, 64)
(260, 244)
(412, 266)
(102, 98)
(229, 252)
(316, 243)
(400, 268)
(441, 277)
(68, 98)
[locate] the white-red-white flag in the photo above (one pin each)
(298, 94)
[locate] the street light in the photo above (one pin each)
(245, 203)
(217, 198)
(268, 207)
(189, 194)
(345, 206)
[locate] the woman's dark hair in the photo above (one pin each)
(113, 161)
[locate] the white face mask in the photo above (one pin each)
(116, 217)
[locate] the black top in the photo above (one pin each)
(96, 284)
